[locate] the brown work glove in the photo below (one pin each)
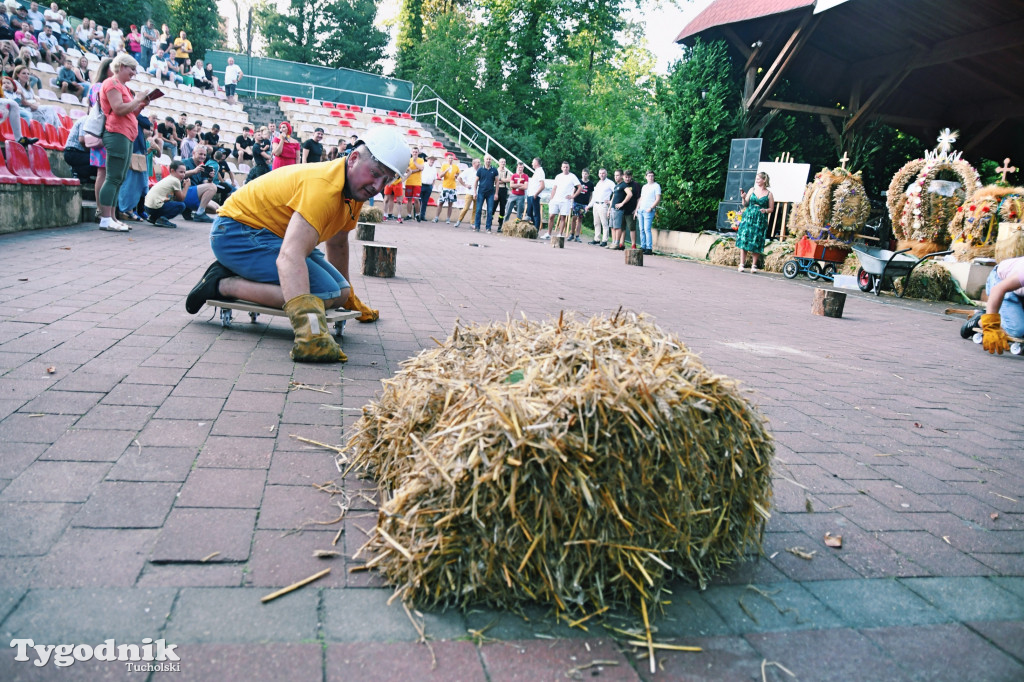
(313, 343)
(994, 339)
(353, 303)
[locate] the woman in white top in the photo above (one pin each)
(650, 197)
(115, 39)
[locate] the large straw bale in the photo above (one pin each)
(524, 229)
(371, 214)
(580, 464)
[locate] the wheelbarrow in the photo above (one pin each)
(878, 267)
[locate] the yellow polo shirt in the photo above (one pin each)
(314, 190)
(449, 172)
(415, 178)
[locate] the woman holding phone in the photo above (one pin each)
(119, 105)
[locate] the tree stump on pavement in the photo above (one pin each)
(379, 260)
(557, 242)
(828, 303)
(634, 257)
(364, 231)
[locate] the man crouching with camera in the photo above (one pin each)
(203, 188)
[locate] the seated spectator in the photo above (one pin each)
(10, 111)
(243, 146)
(84, 34)
(211, 79)
(261, 154)
(69, 81)
(98, 40)
(26, 99)
(199, 196)
(189, 142)
(182, 49)
(25, 41)
(25, 59)
(351, 144)
(168, 132)
(166, 199)
(199, 75)
(135, 42)
(115, 39)
(181, 126)
(212, 139)
(160, 67)
(77, 156)
(82, 71)
(222, 175)
(49, 47)
(35, 18)
(8, 49)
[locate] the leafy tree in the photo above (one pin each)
(334, 33)
(201, 21)
(699, 101)
(448, 59)
(125, 12)
(410, 38)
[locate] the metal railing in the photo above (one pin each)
(264, 85)
(457, 126)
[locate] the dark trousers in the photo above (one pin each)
(170, 209)
(502, 200)
(533, 208)
(425, 192)
(79, 162)
(481, 198)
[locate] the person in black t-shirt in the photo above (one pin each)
(312, 149)
(579, 203)
(261, 154)
(620, 195)
(212, 138)
(169, 132)
(243, 145)
(486, 176)
(629, 209)
(181, 127)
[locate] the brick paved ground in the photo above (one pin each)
(160, 439)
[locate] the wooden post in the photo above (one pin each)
(365, 231)
(379, 260)
(557, 242)
(634, 257)
(828, 303)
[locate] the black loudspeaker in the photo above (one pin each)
(737, 182)
(745, 153)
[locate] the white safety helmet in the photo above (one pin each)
(387, 146)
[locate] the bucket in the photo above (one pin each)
(1010, 243)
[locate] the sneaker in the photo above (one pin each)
(593, 242)
(547, 236)
(447, 222)
(648, 252)
(973, 322)
(114, 226)
(26, 141)
(476, 229)
(499, 230)
(207, 287)
(604, 245)
(620, 247)
(739, 268)
(457, 223)
(488, 229)
(164, 222)
(202, 218)
(187, 214)
(753, 269)
(434, 220)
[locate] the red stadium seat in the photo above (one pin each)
(438, 145)
(406, 115)
(17, 163)
(6, 176)
(286, 98)
(355, 108)
(390, 121)
(301, 100)
(343, 107)
(328, 105)
(52, 136)
(413, 132)
(40, 165)
(349, 115)
(36, 130)
(345, 123)
(377, 119)
(6, 133)
(335, 113)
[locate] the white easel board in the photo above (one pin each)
(787, 180)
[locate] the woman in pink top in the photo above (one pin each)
(119, 105)
(285, 147)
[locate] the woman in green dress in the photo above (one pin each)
(758, 204)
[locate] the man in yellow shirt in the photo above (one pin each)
(448, 174)
(266, 234)
(413, 184)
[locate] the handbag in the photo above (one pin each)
(138, 163)
(95, 123)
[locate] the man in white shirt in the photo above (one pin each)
(566, 187)
(466, 186)
(232, 75)
(533, 190)
(600, 202)
(427, 178)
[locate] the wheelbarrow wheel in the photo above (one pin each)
(865, 281)
(790, 269)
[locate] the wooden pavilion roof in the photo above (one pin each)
(921, 65)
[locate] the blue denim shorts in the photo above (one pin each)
(252, 253)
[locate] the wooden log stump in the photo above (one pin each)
(634, 257)
(557, 242)
(828, 303)
(379, 260)
(365, 231)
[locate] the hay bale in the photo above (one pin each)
(524, 229)
(850, 265)
(725, 253)
(579, 464)
(776, 255)
(929, 281)
(371, 214)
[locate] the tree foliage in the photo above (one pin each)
(201, 21)
(124, 12)
(334, 33)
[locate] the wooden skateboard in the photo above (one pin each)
(337, 316)
(1016, 345)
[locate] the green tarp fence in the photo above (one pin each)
(275, 77)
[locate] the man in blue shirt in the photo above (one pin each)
(485, 191)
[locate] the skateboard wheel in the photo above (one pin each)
(339, 328)
(225, 317)
(977, 338)
(1016, 348)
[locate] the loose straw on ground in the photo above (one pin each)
(294, 586)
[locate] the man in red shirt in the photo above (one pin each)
(517, 191)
